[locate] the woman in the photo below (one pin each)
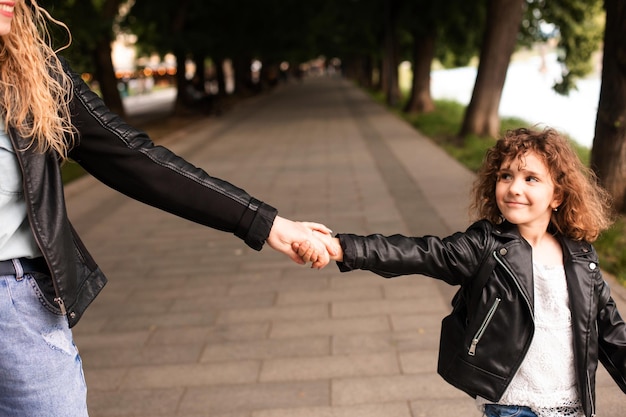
(47, 277)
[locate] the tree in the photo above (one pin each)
(608, 154)
(91, 23)
(579, 30)
(448, 30)
(161, 26)
(503, 22)
(391, 88)
(352, 31)
(422, 23)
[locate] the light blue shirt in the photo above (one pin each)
(16, 237)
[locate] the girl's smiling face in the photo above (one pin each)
(6, 16)
(525, 192)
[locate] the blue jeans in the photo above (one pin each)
(40, 370)
(496, 410)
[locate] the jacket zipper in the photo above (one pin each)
(58, 298)
(483, 327)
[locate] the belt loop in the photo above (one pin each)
(19, 271)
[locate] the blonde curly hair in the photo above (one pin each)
(34, 90)
(585, 209)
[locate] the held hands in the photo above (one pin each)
(291, 237)
(309, 252)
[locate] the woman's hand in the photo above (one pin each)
(285, 233)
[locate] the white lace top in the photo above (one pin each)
(546, 381)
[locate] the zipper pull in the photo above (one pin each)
(61, 304)
(472, 349)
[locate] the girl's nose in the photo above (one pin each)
(515, 186)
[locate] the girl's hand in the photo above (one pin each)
(309, 253)
(285, 233)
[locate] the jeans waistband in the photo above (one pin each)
(21, 266)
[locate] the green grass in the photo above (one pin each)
(442, 126)
(610, 247)
(71, 171)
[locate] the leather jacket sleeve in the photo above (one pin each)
(612, 338)
(452, 259)
(127, 160)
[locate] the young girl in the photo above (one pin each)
(545, 315)
(47, 277)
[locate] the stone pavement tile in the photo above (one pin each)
(382, 342)
(179, 290)
(288, 283)
(327, 295)
(153, 403)
(428, 323)
(104, 379)
(89, 324)
(237, 398)
(148, 355)
(151, 321)
(210, 334)
(343, 309)
(225, 414)
(213, 303)
(133, 339)
(354, 279)
(445, 408)
(610, 404)
(248, 315)
(610, 399)
(305, 328)
(400, 409)
(266, 349)
(328, 367)
(422, 361)
(191, 375)
(113, 309)
(351, 391)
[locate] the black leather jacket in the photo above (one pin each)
(598, 329)
(125, 159)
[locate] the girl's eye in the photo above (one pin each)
(532, 179)
(504, 176)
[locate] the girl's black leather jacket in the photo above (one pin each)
(125, 159)
(598, 330)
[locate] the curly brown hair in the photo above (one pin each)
(585, 209)
(34, 90)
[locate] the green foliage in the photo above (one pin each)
(87, 25)
(610, 247)
(579, 26)
(460, 32)
(444, 122)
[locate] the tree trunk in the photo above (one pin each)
(359, 68)
(220, 76)
(200, 73)
(105, 74)
(390, 54)
(502, 26)
(181, 82)
(242, 79)
(366, 71)
(421, 100)
(608, 154)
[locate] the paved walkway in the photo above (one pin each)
(195, 324)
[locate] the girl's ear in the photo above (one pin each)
(557, 200)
